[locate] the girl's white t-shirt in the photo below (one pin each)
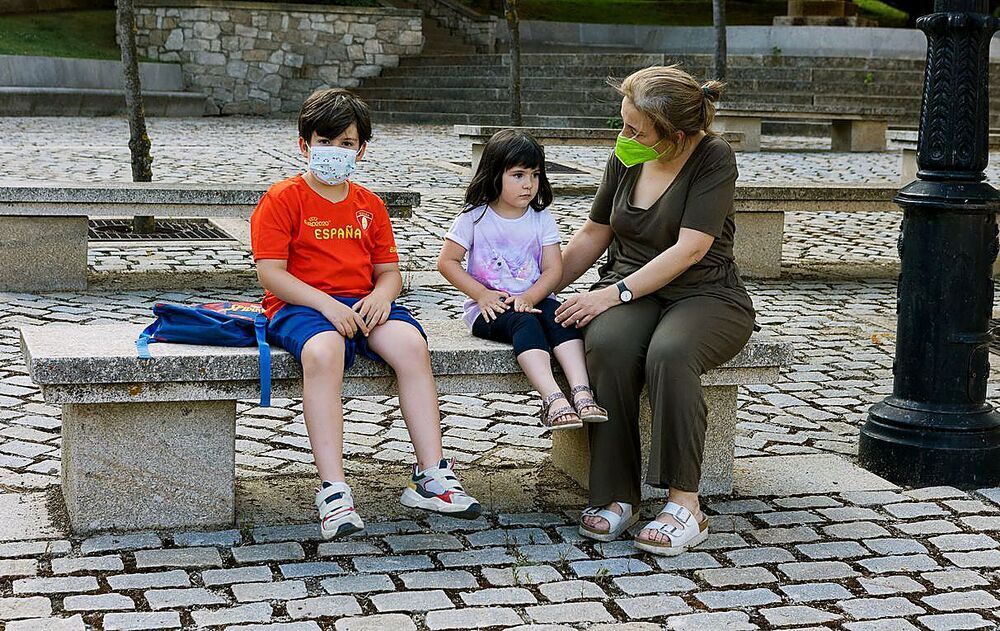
(503, 254)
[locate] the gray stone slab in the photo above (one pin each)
(380, 622)
(187, 597)
(803, 474)
(31, 607)
(472, 618)
(255, 612)
(113, 455)
(71, 565)
(26, 516)
(73, 623)
(358, 584)
(411, 601)
(173, 578)
(178, 557)
(142, 621)
(43, 253)
(115, 543)
(324, 606)
(91, 364)
(285, 590)
(55, 585)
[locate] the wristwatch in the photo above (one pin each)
(624, 293)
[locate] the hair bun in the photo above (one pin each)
(712, 90)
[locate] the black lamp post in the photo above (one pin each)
(937, 427)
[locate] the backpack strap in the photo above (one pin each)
(264, 358)
(142, 342)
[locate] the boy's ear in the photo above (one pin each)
(303, 147)
(361, 152)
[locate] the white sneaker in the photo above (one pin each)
(437, 489)
(337, 517)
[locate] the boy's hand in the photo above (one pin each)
(521, 304)
(344, 319)
(492, 303)
(374, 309)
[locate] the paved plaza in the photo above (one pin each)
(808, 540)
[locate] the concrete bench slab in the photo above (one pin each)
(43, 229)
(151, 443)
(575, 136)
(760, 216)
(857, 129)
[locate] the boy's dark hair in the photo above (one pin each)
(329, 112)
(508, 148)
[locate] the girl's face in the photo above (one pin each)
(520, 185)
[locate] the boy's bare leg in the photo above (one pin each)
(322, 404)
(404, 349)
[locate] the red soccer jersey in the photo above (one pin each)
(333, 247)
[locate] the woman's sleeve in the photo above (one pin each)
(711, 192)
(600, 210)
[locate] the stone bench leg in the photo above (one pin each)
(749, 127)
(758, 243)
(43, 253)
(571, 451)
(477, 155)
(137, 466)
(907, 166)
(858, 135)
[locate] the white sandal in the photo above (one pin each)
(679, 540)
(337, 517)
(618, 523)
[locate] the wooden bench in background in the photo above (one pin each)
(150, 443)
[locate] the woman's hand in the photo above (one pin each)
(580, 309)
(521, 304)
(492, 303)
(347, 321)
(374, 308)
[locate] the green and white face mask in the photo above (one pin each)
(632, 152)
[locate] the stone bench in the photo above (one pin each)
(573, 136)
(906, 141)
(760, 216)
(43, 229)
(151, 443)
(852, 130)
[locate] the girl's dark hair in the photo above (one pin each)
(508, 148)
(329, 112)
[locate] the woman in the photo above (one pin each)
(669, 305)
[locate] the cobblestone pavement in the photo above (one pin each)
(829, 556)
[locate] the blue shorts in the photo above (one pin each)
(294, 325)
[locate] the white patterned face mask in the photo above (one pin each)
(332, 165)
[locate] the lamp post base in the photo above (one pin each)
(916, 445)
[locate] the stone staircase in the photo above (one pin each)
(570, 90)
(55, 86)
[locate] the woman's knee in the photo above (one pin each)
(324, 354)
(672, 353)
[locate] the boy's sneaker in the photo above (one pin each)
(337, 517)
(438, 489)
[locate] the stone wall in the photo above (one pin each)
(479, 30)
(256, 58)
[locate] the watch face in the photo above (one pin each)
(626, 295)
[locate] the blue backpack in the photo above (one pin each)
(214, 324)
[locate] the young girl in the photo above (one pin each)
(514, 264)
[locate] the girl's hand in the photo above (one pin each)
(580, 309)
(521, 305)
(374, 309)
(492, 303)
(344, 319)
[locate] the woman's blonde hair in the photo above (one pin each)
(671, 98)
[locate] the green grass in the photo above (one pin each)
(83, 34)
(887, 16)
(670, 12)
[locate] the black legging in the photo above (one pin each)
(527, 331)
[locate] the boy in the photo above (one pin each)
(327, 259)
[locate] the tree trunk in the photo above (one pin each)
(138, 143)
(510, 12)
(719, 20)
